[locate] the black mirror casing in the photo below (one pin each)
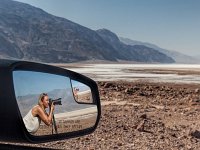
(12, 127)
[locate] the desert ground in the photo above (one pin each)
(147, 108)
(70, 121)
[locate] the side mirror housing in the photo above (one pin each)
(75, 97)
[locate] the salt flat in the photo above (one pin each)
(184, 73)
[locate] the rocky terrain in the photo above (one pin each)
(143, 115)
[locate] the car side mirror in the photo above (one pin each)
(28, 91)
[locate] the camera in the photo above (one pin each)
(55, 101)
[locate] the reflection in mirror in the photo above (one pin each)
(82, 92)
(36, 91)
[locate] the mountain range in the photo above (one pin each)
(178, 57)
(29, 33)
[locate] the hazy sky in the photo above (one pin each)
(170, 24)
(29, 82)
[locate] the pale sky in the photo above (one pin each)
(29, 82)
(170, 24)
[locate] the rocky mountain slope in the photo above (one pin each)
(30, 33)
(177, 56)
(139, 53)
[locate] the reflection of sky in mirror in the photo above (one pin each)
(28, 82)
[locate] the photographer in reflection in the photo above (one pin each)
(33, 118)
(75, 91)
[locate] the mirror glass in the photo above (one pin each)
(36, 91)
(82, 92)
